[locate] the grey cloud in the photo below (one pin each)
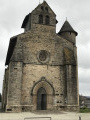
(3, 51)
(84, 56)
(84, 81)
(84, 33)
(84, 89)
(1, 75)
(14, 10)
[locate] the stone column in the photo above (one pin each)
(72, 85)
(14, 87)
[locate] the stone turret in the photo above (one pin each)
(68, 32)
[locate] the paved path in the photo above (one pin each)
(54, 116)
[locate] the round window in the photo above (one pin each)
(43, 56)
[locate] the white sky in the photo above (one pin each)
(12, 13)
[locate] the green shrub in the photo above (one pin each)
(84, 110)
(0, 97)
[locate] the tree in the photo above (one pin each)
(0, 97)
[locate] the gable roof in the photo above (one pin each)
(67, 28)
(43, 4)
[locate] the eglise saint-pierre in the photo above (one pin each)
(42, 70)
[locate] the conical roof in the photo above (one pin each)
(67, 28)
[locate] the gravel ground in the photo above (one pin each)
(53, 115)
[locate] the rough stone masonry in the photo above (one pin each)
(42, 72)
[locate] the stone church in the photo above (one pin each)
(42, 70)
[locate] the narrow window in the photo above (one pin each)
(46, 8)
(41, 19)
(42, 8)
(47, 20)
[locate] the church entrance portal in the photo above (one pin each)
(41, 99)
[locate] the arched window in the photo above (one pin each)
(47, 20)
(41, 19)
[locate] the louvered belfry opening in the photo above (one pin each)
(47, 20)
(41, 19)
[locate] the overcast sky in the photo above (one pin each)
(12, 13)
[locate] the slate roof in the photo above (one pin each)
(10, 49)
(25, 21)
(67, 28)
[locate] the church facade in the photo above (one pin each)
(42, 72)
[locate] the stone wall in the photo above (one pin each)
(14, 86)
(5, 89)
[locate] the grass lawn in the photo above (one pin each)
(85, 110)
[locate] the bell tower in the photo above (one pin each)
(42, 15)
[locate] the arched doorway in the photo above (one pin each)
(41, 99)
